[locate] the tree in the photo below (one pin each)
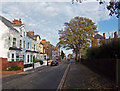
(77, 34)
(113, 7)
(62, 54)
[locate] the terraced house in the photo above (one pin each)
(17, 44)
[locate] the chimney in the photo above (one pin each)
(115, 34)
(31, 32)
(48, 42)
(104, 35)
(43, 39)
(17, 21)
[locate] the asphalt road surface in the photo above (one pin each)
(46, 78)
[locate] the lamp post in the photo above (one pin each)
(116, 71)
(47, 55)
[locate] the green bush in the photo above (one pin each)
(41, 62)
(12, 68)
(108, 50)
(48, 59)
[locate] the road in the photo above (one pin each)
(46, 78)
(67, 75)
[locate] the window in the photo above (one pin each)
(24, 44)
(20, 31)
(14, 41)
(23, 57)
(34, 47)
(12, 57)
(17, 57)
(20, 43)
(28, 45)
(31, 58)
(24, 33)
(28, 58)
(44, 56)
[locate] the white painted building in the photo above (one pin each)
(9, 41)
(43, 56)
(22, 30)
(41, 48)
(16, 43)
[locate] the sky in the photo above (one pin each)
(47, 17)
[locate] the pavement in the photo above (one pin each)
(81, 78)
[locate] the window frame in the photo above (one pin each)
(14, 42)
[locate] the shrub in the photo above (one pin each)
(41, 62)
(108, 50)
(48, 59)
(12, 68)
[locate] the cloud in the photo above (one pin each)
(46, 18)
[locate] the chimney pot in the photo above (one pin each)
(104, 35)
(115, 34)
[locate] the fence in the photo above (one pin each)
(105, 67)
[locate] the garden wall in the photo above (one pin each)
(105, 67)
(5, 64)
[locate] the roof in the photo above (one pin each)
(31, 36)
(17, 25)
(8, 23)
(98, 36)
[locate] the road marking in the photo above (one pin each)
(40, 71)
(63, 79)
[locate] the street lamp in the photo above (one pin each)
(47, 55)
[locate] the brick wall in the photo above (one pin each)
(4, 63)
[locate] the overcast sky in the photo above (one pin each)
(46, 18)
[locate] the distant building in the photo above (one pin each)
(100, 40)
(97, 39)
(55, 52)
(47, 48)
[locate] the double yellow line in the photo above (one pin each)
(63, 79)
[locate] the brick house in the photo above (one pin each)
(47, 48)
(98, 40)
(55, 52)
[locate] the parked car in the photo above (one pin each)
(57, 62)
(54, 63)
(68, 59)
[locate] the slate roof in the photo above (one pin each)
(8, 23)
(98, 36)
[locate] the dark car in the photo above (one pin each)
(57, 62)
(54, 63)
